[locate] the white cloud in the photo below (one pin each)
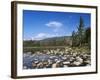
(55, 25)
(41, 36)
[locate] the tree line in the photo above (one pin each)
(55, 41)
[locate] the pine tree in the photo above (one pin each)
(81, 32)
(78, 37)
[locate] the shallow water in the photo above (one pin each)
(29, 58)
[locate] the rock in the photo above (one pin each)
(78, 61)
(72, 59)
(75, 53)
(36, 61)
(54, 65)
(48, 52)
(40, 65)
(34, 65)
(45, 63)
(38, 52)
(55, 60)
(64, 58)
(66, 62)
(50, 61)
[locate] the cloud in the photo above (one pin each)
(55, 25)
(41, 36)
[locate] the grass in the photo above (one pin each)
(81, 50)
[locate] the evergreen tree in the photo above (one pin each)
(78, 37)
(81, 32)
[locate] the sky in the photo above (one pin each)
(38, 25)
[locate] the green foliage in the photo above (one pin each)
(82, 36)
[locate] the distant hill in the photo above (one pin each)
(54, 41)
(57, 38)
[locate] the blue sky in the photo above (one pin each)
(38, 25)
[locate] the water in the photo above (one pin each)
(35, 58)
(28, 58)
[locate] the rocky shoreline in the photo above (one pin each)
(56, 58)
